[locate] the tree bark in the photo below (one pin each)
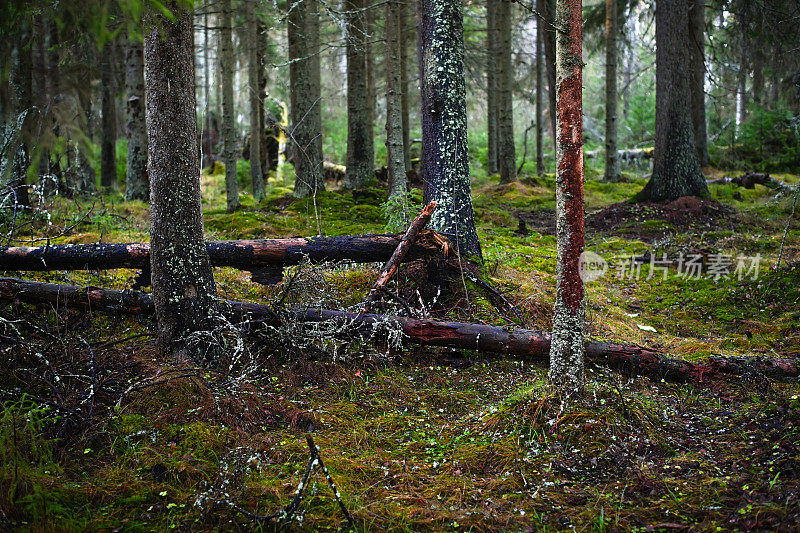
(612, 97)
(626, 359)
(445, 160)
(406, 12)
(395, 156)
(108, 144)
(539, 91)
(676, 168)
(697, 28)
(360, 158)
(550, 56)
(21, 85)
(569, 318)
(183, 283)
(253, 76)
(227, 67)
(506, 151)
(137, 182)
(245, 255)
(304, 76)
(492, 87)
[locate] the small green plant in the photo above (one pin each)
(400, 210)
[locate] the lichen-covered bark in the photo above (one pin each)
(360, 157)
(539, 90)
(304, 82)
(253, 74)
(183, 284)
(492, 86)
(676, 169)
(697, 30)
(612, 157)
(108, 143)
(395, 158)
(226, 68)
(506, 151)
(567, 347)
(445, 160)
(137, 183)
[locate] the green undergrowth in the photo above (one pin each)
(416, 439)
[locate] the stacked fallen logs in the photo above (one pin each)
(630, 360)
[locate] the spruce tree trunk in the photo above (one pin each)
(406, 29)
(612, 157)
(445, 160)
(263, 44)
(183, 283)
(539, 92)
(108, 144)
(395, 157)
(137, 183)
(21, 84)
(550, 56)
(253, 68)
(506, 151)
(697, 78)
(676, 168)
(492, 87)
(205, 134)
(569, 317)
(226, 68)
(304, 82)
(360, 159)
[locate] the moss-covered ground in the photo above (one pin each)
(100, 433)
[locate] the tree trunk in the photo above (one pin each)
(227, 67)
(245, 255)
(206, 135)
(569, 318)
(539, 91)
(612, 159)
(304, 75)
(18, 153)
(360, 159)
(137, 183)
(628, 360)
(492, 87)
(108, 155)
(697, 78)
(550, 56)
(183, 283)
(676, 169)
(506, 151)
(253, 73)
(405, 29)
(445, 159)
(267, 163)
(395, 157)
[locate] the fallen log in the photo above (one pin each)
(629, 360)
(751, 179)
(399, 254)
(245, 255)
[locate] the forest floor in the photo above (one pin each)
(98, 433)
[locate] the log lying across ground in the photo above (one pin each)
(631, 360)
(245, 255)
(751, 179)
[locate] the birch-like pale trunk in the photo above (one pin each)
(569, 316)
(226, 68)
(612, 156)
(137, 183)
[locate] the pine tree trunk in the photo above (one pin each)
(137, 183)
(226, 68)
(406, 11)
(183, 283)
(539, 92)
(395, 158)
(304, 76)
(569, 316)
(108, 145)
(492, 87)
(612, 157)
(506, 151)
(253, 68)
(443, 108)
(360, 158)
(676, 169)
(697, 78)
